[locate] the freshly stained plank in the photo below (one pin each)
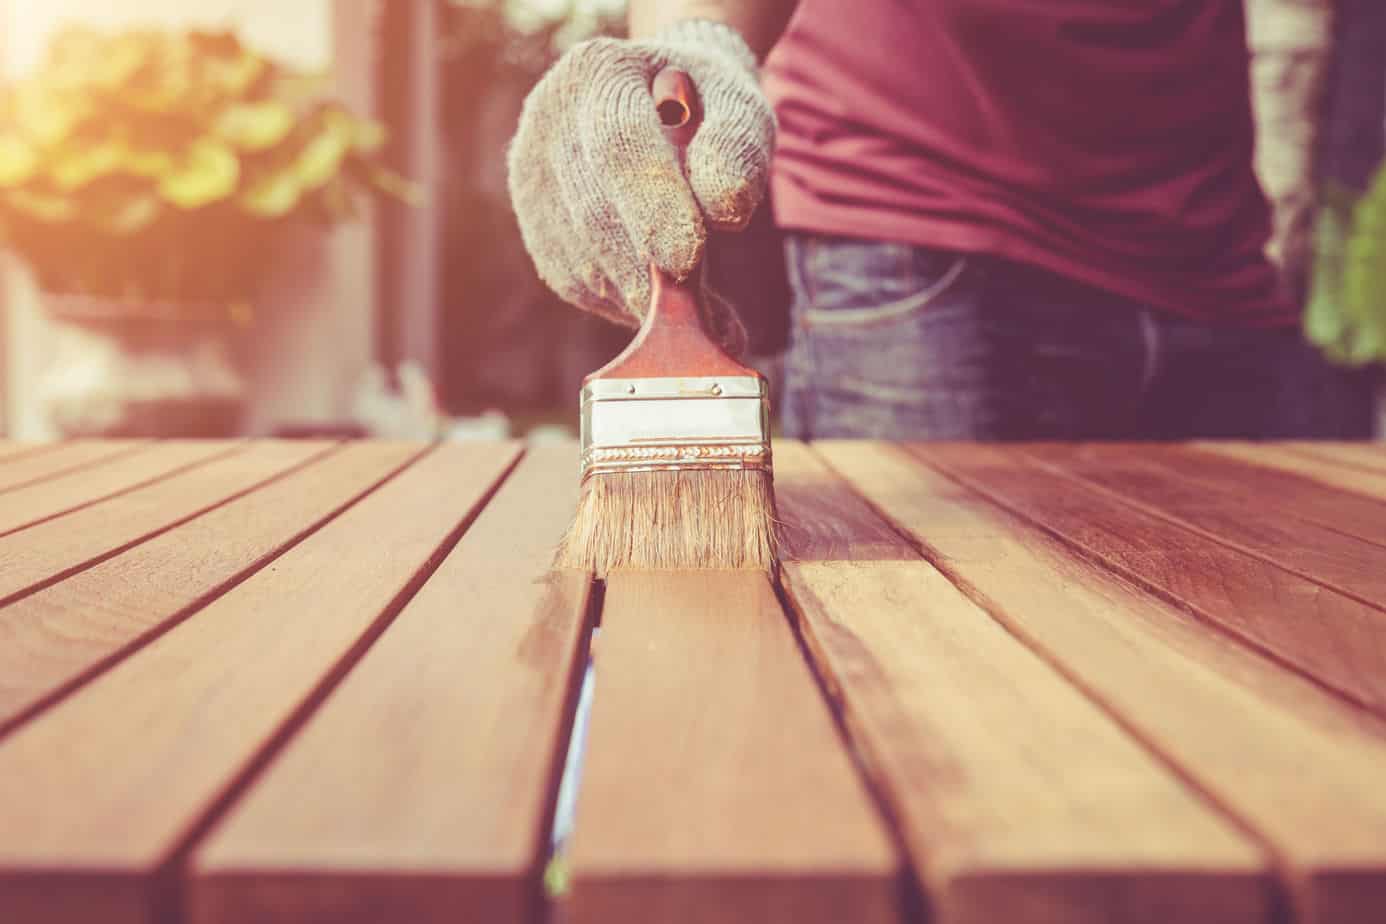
(30, 468)
(1022, 801)
(53, 639)
(63, 493)
(715, 786)
(1155, 470)
(420, 791)
(1329, 635)
(99, 796)
(1268, 530)
(1287, 759)
(1324, 471)
(1019, 799)
(821, 520)
(59, 547)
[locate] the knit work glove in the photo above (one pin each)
(598, 190)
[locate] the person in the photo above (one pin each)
(1002, 219)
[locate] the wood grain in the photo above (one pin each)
(1227, 482)
(64, 493)
(421, 790)
(54, 549)
(1324, 471)
(715, 786)
(56, 638)
(30, 468)
(1271, 530)
(1284, 758)
(1327, 635)
(155, 744)
(821, 519)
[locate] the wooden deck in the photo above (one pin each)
(337, 682)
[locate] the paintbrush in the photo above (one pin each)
(675, 432)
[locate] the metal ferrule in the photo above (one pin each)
(669, 424)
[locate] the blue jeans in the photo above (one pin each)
(893, 341)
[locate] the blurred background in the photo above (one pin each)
(267, 217)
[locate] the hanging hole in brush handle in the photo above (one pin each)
(679, 108)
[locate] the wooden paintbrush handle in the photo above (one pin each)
(673, 341)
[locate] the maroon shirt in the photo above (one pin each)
(1109, 141)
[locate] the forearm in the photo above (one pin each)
(760, 22)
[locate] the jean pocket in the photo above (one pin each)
(864, 283)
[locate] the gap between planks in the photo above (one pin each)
(109, 477)
(55, 549)
(11, 451)
(1343, 512)
(62, 459)
(1366, 482)
(1290, 539)
(1236, 589)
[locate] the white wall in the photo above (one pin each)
(315, 337)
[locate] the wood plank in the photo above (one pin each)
(1023, 802)
(156, 744)
(1267, 531)
(998, 771)
(64, 493)
(1366, 456)
(821, 520)
(715, 786)
(55, 639)
(54, 549)
(1327, 635)
(1286, 759)
(1348, 478)
(421, 791)
(1157, 469)
(30, 468)
(11, 450)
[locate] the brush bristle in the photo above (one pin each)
(719, 519)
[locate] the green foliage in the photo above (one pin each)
(557, 878)
(1346, 314)
(161, 165)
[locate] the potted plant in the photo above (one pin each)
(148, 178)
(1346, 314)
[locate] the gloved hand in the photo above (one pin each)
(597, 188)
